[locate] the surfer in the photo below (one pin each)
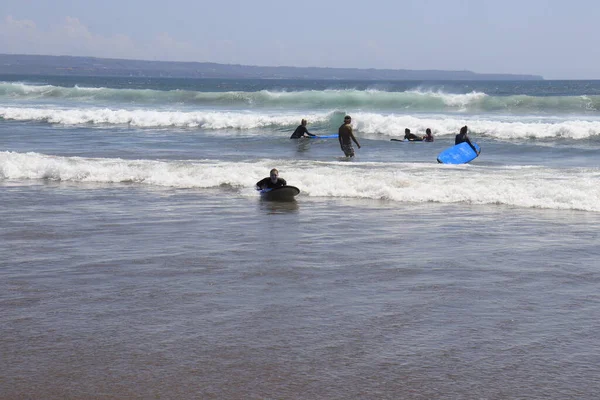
(272, 181)
(346, 137)
(301, 131)
(411, 136)
(462, 137)
(428, 136)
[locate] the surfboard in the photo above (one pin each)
(282, 193)
(461, 153)
(324, 136)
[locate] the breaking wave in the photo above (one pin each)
(418, 100)
(374, 125)
(526, 186)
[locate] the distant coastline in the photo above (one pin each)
(22, 64)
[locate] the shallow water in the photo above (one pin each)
(119, 291)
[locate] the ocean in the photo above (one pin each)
(137, 260)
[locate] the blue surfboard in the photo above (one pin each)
(461, 153)
(324, 136)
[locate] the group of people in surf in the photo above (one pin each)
(411, 137)
(346, 137)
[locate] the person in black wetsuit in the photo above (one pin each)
(346, 137)
(411, 136)
(301, 131)
(271, 182)
(462, 137)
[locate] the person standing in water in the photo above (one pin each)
(301, 131)
(462, 137)
(346, 137)
(428, 136)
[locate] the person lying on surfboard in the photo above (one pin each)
(462, 137)
(272, 181)
(301, 131)
(411, 136)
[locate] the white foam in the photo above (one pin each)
(370, 125)
(528, 187)
(503, 128)
(153, 118)
(461, 101)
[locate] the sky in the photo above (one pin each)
(553, 38)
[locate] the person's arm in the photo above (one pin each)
(306, 132)
(259, 184)
(353, 138)
(471, 144)
(283, 182)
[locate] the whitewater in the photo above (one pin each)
(378, 113)
(539, 140)
(526, 186)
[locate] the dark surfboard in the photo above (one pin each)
(283, 193)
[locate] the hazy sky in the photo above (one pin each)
(557, 39)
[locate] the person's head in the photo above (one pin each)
(428, 132)
(303, 122)
(347, 119)
(406, 131)
(274, 175)
(463, 130)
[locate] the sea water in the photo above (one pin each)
(137, 260)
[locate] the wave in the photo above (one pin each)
(527, 187)
(157, 119)
(417, 100)
(370, 125)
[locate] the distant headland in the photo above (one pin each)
(21, 64)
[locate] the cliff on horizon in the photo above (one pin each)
(20, 64)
